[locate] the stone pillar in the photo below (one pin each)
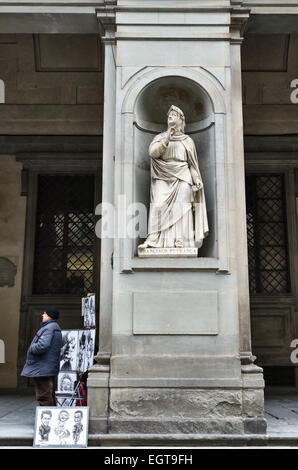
(180, 357)
(98, 378)
(252, 375)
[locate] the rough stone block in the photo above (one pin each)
(175, 403)
(253, 403)
(178, 426)
(255, 426)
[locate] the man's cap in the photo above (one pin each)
(52, 312)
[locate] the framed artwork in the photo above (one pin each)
(61, 427)
(69, 350)
(66, 381)
(86, 349)
(66, 384)
(89, 311)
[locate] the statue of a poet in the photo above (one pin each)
(178, 216)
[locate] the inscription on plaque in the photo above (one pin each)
(8, 272)
(169, 253)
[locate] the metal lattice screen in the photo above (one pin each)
(267, 234)
(65, 238)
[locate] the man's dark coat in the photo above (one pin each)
(43, 356)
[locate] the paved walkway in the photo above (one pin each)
(17, 416)
(281, 413)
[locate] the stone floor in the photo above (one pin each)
(17, 415)
(281, 412)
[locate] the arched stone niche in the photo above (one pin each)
(150, 118)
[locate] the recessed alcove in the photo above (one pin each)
(150, 118)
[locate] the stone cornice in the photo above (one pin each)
(106, 17)
(239, 17)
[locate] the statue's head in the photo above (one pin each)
(176, 118)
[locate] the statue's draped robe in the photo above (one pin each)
(173, 170)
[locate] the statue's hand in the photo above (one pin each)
(170, 132)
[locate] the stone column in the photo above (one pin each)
(98, 379)
(253, 403)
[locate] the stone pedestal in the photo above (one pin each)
(180, 332)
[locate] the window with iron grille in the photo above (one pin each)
(267, 234)
(64, 238)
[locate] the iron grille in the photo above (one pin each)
(267, 234)
(64, 238)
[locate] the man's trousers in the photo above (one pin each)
(45, 390)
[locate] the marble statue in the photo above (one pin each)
(177, 216)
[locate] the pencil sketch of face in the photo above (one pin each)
(82, 351)
(66, 383)
(69, 350)
(46, 417)
(89, 311)
(60, 430)
(63, 416)
(44, 428)
(78, 426)
(90, 348)
(78, 416)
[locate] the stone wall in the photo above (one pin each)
(53, 84)
(12, 227)
(269, 65)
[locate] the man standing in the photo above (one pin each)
(43, 358)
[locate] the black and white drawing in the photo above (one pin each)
(78, 427)
(44, 428)
(77, 353)
(61, 427)
(69, 350)
(82, 351)
(88, 310)
(86, 349)
(66, 381)
(90, 343)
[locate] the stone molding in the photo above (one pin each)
(106, 17)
